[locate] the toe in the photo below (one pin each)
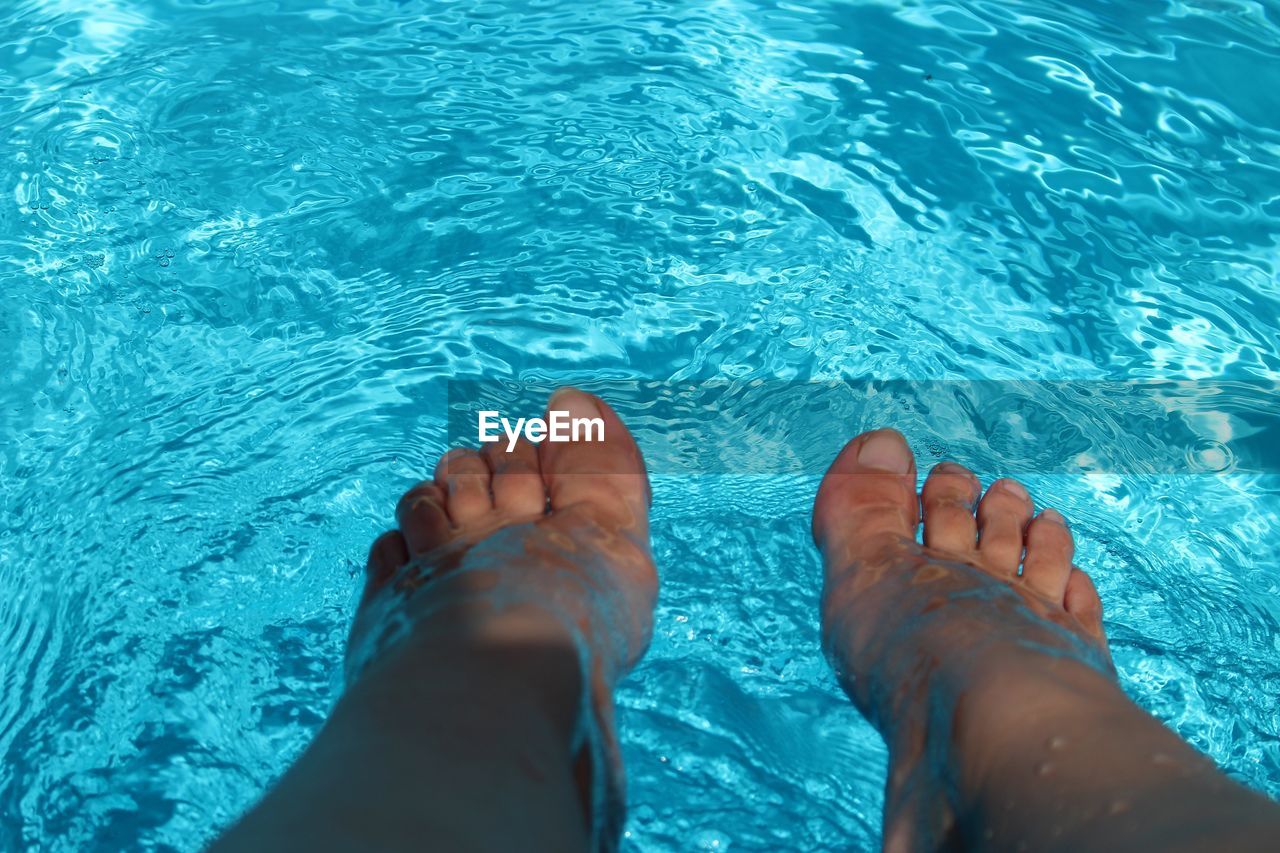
(423, 519)
(949, 496)
(388, 553)
(601, 470)
(1081, 601)
(868, 498)
(465, 477)
(1047, 564)
(1003, 513)
(517, 480)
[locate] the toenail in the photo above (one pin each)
(954, 468)
(574, 402)
(885, 451)
(1053, 516)
(1015, 488)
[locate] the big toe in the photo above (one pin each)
(867, 500)
(598, 469)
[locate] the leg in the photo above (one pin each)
(481, 665)
(994, 690)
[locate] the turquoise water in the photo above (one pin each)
(246, 245)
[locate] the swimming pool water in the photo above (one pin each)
(246, 244)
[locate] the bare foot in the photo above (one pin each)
(925, 637)
(546, 545)
(478, 713)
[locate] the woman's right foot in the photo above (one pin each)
(933, 642)
(992, 687)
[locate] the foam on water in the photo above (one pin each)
(243, 245)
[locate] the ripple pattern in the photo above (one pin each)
(245, 245)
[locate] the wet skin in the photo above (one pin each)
(980, 657)
(519, 588)
(495, 622)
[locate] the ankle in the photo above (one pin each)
(485, 659)
(1023, 718)
(526, 649)
(1024, 693)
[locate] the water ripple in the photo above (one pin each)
(244, 246)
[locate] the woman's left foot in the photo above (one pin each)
(544, 547)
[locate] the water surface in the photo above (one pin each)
(245, 245)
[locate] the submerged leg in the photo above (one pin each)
(496, 620)
(994, 689)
